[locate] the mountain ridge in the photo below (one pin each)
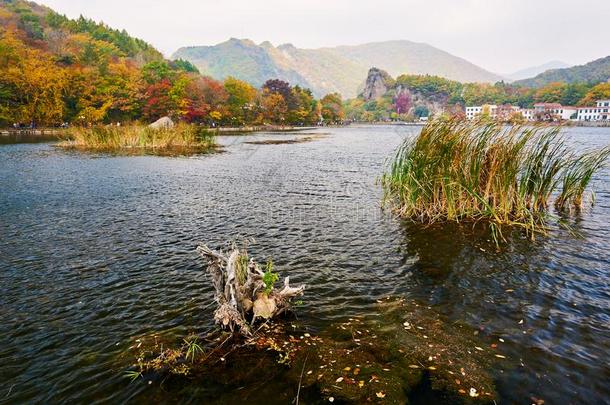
(596, 71)
(533, 71)
(328, 69)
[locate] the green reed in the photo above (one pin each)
(115, 138)
(457, 170)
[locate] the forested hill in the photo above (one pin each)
(54, 69)
(46, 29)
(594, 72)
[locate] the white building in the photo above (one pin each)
(556, 110)
(475, 111)
(601, 112)
(544, 111)
(528, 114)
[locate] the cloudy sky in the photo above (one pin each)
(499, 35)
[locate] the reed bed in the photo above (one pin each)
(134, 137)
(457, 170)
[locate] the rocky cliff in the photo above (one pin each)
(378, 82)
(382, 89)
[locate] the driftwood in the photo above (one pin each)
(241, 293)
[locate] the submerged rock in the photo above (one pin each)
(162, 123)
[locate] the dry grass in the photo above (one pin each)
(457, 170)
(182, 136)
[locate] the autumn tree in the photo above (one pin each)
(551, 93)
(303, 110)
(241, 97)
(274, 107)
(598, 92)
(35, 82)
(332, 108)
(403, 103)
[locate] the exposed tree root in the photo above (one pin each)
(244, 293)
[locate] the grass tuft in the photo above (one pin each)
(457, 170)
(180, 137)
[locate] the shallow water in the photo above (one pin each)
(97, 250)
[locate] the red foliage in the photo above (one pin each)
(158, 102)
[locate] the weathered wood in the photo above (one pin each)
(242, 298)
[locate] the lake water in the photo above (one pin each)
(96, 250)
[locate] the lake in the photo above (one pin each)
(97, 250)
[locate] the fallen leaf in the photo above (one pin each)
(380, 394)
(413, 366)
(478, 348)
(500, 356)
(357, 371)
(347, 369)
(360, 384)
(458, 382)
(264, 307)
(521, 322)
(432, 368)
(473, 393)
(331, 399)
(309, 372)
(338, 380)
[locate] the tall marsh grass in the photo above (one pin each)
(457, 170)
(180, 137)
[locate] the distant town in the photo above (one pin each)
(543, 112)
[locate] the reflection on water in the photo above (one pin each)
(28, 137)
(98, 250)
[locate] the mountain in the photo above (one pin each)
(593, 72)
(536, 70)
(325, 70)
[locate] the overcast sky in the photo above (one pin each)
(499, 35)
